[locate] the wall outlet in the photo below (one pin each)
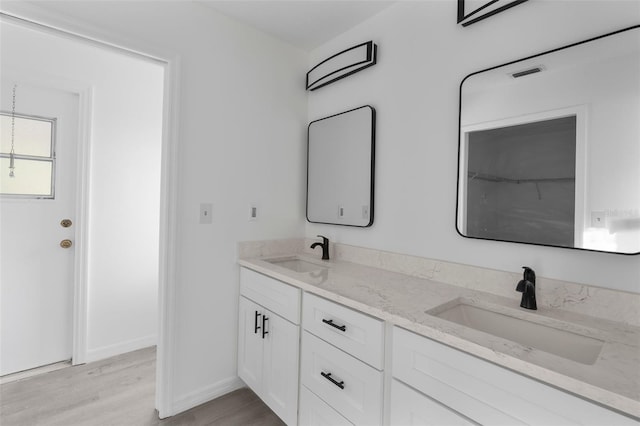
(206, 210)
(598, 219)
(365, 212)
(253, 213)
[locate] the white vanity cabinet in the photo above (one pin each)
(341, 366)
(315, 362)
(461, 388)
(268, 341)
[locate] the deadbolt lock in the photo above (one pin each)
(66, 244)
(66, 223)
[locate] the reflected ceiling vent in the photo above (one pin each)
(529, 71)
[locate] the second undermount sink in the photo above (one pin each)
(296, 265)
(563, 343)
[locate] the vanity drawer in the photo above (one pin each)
(350, 386)
(272, 294)
(409, 407)
(316, 412)
(485, 392)
(354, 332)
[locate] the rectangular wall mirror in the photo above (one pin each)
(549, 148)
(340, 168)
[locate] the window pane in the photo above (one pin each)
(32, 177)
(31, 136)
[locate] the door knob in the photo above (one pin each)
(66, 223)
(66, 244)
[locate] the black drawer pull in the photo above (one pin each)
(256, 327)
(264, 326)
(339, 327)
(332, 380)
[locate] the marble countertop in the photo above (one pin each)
(410, 302)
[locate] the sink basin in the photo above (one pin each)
(548, 339)
(297, 265)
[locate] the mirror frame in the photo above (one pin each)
(460, 144)
(373, 157)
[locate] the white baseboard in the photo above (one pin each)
(206, 394)
(120, 348)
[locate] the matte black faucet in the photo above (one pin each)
(325, 247)
(527, 286)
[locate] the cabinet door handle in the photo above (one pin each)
(327, 376)
(256, 327)
(264, 326)
(339, 327)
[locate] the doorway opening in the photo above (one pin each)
(522, 175)
(123, 184)
(521, 182)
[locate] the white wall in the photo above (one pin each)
(423, 56)
(243, 115)
(124, 189)
(241, 140)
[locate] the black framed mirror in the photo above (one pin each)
(549, 148)
(340, 168)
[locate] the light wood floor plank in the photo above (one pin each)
(118, 391)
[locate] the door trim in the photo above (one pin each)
(81, 270)
(34, 17)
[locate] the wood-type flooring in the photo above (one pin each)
(118, 391)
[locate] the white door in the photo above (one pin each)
(36, 273)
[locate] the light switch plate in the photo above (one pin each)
(253, 213)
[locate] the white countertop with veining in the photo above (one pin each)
(403, 300)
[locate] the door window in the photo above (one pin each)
(34, 156)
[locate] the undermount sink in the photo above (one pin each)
(296, 265)
(548, 339)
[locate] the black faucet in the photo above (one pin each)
(527, 286)
(325, 247)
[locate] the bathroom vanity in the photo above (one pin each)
(358, 344)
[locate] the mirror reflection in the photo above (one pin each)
(550, 148)
(340, 160)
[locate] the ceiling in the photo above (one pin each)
(306, 24)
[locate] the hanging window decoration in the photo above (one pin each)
(27, 154)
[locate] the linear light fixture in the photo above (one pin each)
(342, 64)
(482, 9)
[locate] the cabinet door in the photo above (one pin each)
(250, 344)
(280, 369)
(411, 408)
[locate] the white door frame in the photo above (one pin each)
(35, 18)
